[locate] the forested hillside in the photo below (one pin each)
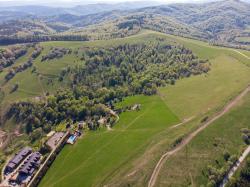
(105, 76)
(144, 94)
(220, 23)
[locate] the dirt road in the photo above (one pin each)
(164, 157)
(242, 54)
(235, 167)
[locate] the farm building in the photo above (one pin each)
(53, 141)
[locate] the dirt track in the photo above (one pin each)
(165, 156)
(242, 54)
(235, 167)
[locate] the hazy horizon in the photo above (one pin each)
(62, 3)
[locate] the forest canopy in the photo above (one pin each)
(107, 75)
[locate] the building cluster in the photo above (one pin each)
(17, 159)
(22, 166)
(76, 132)
(30, 164)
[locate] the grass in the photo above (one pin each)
(197, 96)
(30, 86)
(189, 166)
(242, 39)
(99, 153)
(140, 138)
(193, 96)
(200, 94)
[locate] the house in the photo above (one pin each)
(102, 121)
(30, 165)
(17, 159)
(81, 125)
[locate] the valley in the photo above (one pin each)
(151, 95)
(228, 76)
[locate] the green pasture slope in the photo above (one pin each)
(191, 98)
(118, 156)
(98, 154)
(36, 84)
(32, 84)
(189, 166)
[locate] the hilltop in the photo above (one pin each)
(221, 23)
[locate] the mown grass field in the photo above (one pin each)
(189, 166)
(200, 94)
(98, 154)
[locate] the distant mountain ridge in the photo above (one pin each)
(80, 10)
(224, 22)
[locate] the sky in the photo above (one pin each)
(65, 2)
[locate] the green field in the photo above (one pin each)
(98, 154)
(207, 148)
(34, 84)
(200, 94)
(242, 39)
(128, 154)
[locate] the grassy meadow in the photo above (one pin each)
(127, 154)
(98, 154)
(207, 148)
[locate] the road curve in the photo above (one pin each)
(165, 156)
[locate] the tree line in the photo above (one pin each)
(8, 56)
(106, 76)
(22, 67)
(8, 40)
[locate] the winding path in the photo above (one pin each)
(165, 156)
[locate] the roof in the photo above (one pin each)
(101, 121)
(11, 165)
(51, 133)
(32, 162)
(53, 140)
(81, 123)
(20, 155)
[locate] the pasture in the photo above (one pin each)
(207, 148)
(98, 154)
(128, 153)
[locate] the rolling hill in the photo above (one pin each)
(108, 163)
(221, 23)
(169, 83)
